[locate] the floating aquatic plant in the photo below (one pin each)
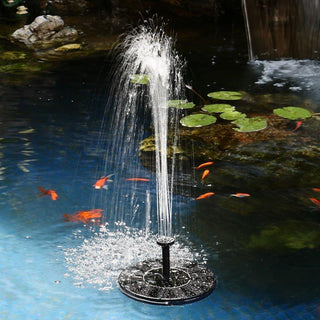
(232, 115)
(293, 113)
(180, 104)
(225, 95)
(13, 55)
(198, 120)
(250, 124)
(218, 108)
(139, 78)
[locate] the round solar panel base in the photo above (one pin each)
(188, 282)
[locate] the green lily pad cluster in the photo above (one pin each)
(226, 111)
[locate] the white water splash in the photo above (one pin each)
(99, 260)
(297, 74)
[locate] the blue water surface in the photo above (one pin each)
(50, 126)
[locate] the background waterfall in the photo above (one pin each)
(282, 28)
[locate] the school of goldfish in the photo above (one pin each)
(94, 215)
(90, 216)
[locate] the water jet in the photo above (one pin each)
(148, 54)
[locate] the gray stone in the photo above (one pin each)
(45, 31)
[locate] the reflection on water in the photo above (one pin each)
(264, 248)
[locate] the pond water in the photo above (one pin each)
(263, 249)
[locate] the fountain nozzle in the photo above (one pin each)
(165, 243)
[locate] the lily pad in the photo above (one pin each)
(180, 104)
(293, 113)
(250, 124)
(232, 115)
(69, 47)
(225, 95)
(139, 78)
(13, 55)
(218, 108)
(198, 120)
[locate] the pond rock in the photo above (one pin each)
(45, 31)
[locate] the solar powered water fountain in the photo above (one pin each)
(148, 54)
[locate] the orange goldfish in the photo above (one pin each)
(298, 125)
(50, 192)
(205, 174)
(204, 165)
(240, 195)
(315, 201)
(84, 216)
(101, 182)
(205, 195)
(316, 189)
(138, 179)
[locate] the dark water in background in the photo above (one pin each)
(50, 127)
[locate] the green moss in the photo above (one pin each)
(291, 234)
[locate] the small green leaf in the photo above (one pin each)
(180, 104)
(232, 115)
(139, 78)
(293, 113)
(250, 124)
(225, 95)
(198, 120)
(218, 108)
